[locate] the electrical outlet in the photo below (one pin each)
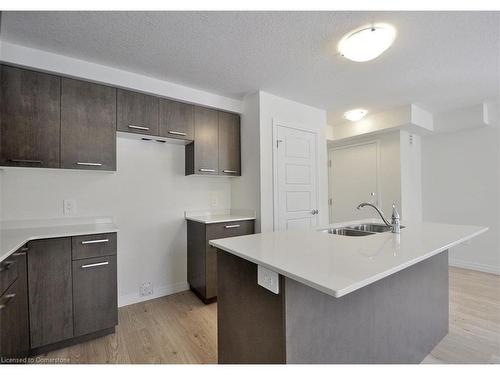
(214, 200)
(69, 207)
(146, 289)
(268, 279)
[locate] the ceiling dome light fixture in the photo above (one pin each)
(368, 42)
(355, 114)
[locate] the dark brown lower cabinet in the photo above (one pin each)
(50, 291)
(202, 258)
(14, 325)
(94, 294)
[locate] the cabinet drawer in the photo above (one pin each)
(93, 245)
(8, 273)
(94, 294)
(230, 229)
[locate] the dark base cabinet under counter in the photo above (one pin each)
(202, 258)
(57, 292)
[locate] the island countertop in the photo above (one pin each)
(338, 265)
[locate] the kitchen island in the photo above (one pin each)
(380, 298)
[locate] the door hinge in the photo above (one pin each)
(330, 201)
(278, 141)
(329, 163)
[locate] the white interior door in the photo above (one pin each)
(353, 179)
(296, 178)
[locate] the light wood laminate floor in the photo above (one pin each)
(181, 329)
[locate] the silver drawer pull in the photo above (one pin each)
(6, 299)
(232, 226)
(95, 241)
(26, 161)
(229, 171)
(206, 170)
(89, 164)
(21, 251)
(177, 133)
(95, 265)
(138, 127)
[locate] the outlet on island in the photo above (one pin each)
(268, 279)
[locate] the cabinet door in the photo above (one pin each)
(176, 120)
(50, 291)
(136, 112)
(88, 125)
(94, 294)
(30, 118)
(14, 325)
(202, 156)
(229, 144)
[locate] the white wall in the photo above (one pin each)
(245, 190)
(411, 176)
(147, 197)
(461, 173)
(294, 114)
(389, 170)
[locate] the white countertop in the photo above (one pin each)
(338, 265)
(219, 216)
(12, 237)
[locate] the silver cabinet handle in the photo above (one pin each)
(95, 265)
(21, 251)
(206, 170)
(6, 299)
(229, 171)
(232, 226)
(315, 212)
(26, 161)
(89, 164)
(95, 241)
(177, 133)
(138, 127)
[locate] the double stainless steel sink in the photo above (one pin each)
(359, 230)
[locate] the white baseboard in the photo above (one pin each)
(165, 290)
(474, 266)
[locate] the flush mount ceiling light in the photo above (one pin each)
(355, 114)
(367, 43)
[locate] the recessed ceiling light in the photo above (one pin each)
(355, 114)
(367, 43)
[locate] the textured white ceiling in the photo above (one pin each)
(440, 60)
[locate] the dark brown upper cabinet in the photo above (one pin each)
(176, 120)
(136, 112)
(202, 155)
(30, 118)
(88, 125)
(229, 144)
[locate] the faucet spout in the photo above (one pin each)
(381, 214)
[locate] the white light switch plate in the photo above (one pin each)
(268, 279)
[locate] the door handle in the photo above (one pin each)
(207, 170)
(315, 212)
(95, 241)
(95, 265)
(89, 164)
(176, 133)
(138, 127)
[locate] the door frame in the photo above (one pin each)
(294, 126)
(330, 171)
